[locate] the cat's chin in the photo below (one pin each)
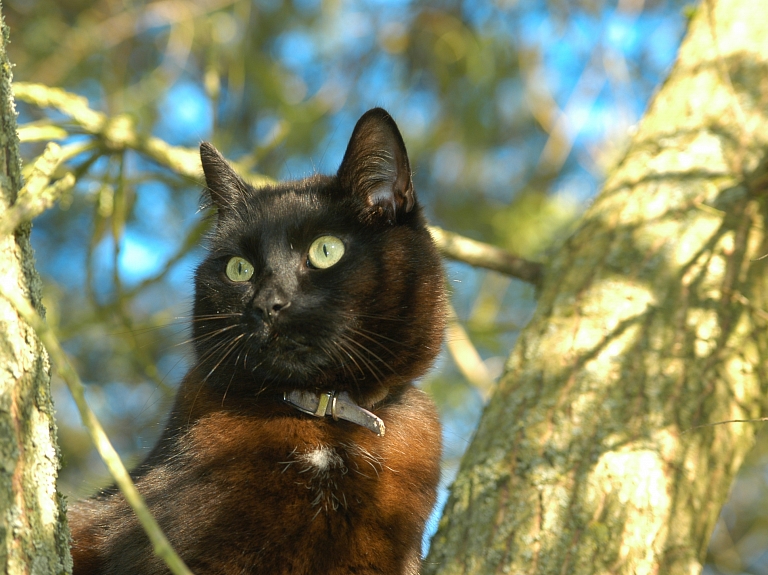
(287, 359)
(308, 371)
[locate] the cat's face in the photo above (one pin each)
(324, 283)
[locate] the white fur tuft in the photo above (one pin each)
(323, 458)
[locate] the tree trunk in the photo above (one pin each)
(651, 323)
(33, 536)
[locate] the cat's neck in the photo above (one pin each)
(340, 400)
(337, 405)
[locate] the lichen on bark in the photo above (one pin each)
(33, 533)
(594, 455)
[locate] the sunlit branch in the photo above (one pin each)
(41, 132)
(162, 546)
(118, 133)
(38, 194)
(479, 254)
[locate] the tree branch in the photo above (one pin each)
(37, 195)
(479, 254)
(119, 133)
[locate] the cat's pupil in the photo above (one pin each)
(325, 250)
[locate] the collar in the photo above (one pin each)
(337, 405)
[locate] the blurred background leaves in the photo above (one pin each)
(512, 111)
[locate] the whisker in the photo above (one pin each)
(243, 347)
(210, 353)
(369, 338)
(232, 344)
(146, 329)
(353, 315)
(205, 336)
(215, 349)
(361, 330)
(178, 321)
(354, 353)
(227, 345)
(358, 352)
(377, 373)
(338, 354)
(208, 315)
(366, 349)
(247, 349)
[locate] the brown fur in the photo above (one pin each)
(241, 499)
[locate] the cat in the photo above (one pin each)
(297, 443)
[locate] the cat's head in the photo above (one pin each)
(325, 283)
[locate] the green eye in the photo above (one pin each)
(325, 251)
(239, 270)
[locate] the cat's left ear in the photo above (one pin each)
(225, 187)
(375, 165)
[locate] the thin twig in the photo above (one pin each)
(466, 357)
(758, 420)
(162, 546)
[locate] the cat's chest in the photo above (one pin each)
(332, 477)
(275, 483)
(292, 464)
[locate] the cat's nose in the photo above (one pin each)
(268, 304)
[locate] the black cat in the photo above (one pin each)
(297, 443)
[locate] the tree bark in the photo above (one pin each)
(33, 534)
(651, 323)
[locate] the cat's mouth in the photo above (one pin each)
(285, 344)
(303, 351)
(284, 354)
(273, 338)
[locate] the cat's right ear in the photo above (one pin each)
(375, 165)
(225, 188)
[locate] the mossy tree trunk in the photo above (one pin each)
(652, 321)
(33, 536)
